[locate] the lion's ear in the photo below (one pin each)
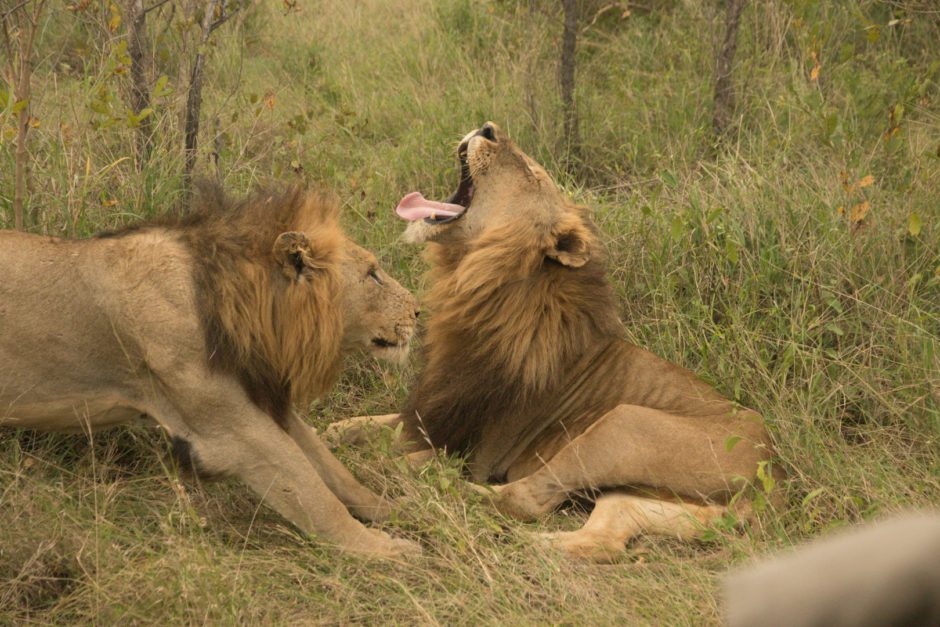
(292, 250)
(571, 246)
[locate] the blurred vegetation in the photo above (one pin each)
(796, 266)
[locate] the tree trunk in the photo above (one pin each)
(568, 48)
(21, 93)
(20, 70)
(724, 84)
(140, 91)
(194, 99)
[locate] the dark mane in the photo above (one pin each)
(507, 329)
(279, 338)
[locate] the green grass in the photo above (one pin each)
(735, 263)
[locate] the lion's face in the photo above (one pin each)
(380, 315)
(499, 184)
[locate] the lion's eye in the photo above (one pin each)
(374, 275)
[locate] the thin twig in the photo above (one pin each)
(9, 46)
(567, 76)
(156, 6)
(222, 20)
(16, 8)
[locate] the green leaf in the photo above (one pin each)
(812, 495)
(834, 328)
(898, 112)
(670, 179)
(160, 87)
(120, 52)
(676, 227)
(914, 225)
(765, 476)
(100, 107)
(846, 52)
(19, 105)
(731, 251)
(732, 441)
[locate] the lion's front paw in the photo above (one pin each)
(379, 510)
(344, 432)
(380, 544)
(516, 501)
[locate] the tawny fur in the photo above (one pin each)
(214, 324)
(277, 334)
(527, 373)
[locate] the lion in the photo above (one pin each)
(528, 376)
(219, 325)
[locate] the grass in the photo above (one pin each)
(738, 264)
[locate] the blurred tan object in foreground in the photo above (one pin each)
(885, 573)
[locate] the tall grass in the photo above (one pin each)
(744, 264)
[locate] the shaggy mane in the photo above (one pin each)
(508, 326)
(280, 337)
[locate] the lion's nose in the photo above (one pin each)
(488, 131)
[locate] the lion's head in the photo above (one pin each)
(284, 293)
(501, 188)
(379, 314)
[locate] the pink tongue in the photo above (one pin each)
(414, 206)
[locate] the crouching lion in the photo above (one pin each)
(216, 325)
(527, 373)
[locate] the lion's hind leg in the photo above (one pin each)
(637, 446)
(618, 517)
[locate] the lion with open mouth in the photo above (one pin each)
(527, 373)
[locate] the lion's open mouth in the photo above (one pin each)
(393, 351)
(414, 206)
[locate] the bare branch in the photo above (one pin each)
(8, 44)
(222, 20)
(140, 90)
(724, 84)
(10, 12)
(194, 98)
(156, 6)
(567, 72)
(20, 76)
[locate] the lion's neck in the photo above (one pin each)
(497, 350)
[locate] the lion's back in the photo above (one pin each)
(77, 315)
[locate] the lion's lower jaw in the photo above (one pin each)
(396, 355)
(419, 232)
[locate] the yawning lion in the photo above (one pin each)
(527, 373)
